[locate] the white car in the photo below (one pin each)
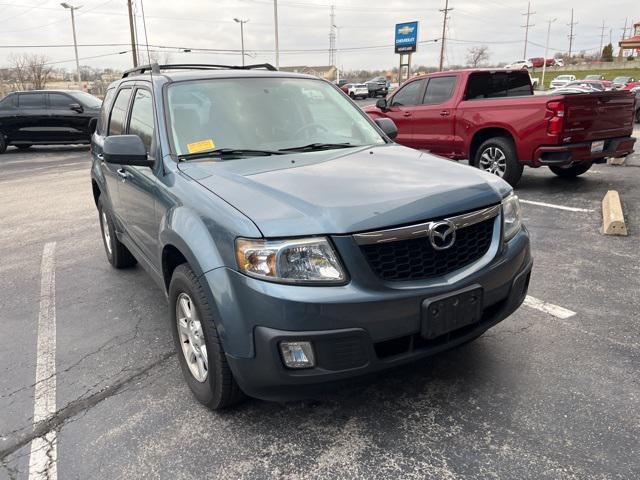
(562, 80)
(558, 62)
(520, 64)
(357, 90)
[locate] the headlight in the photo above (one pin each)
(303, 260)
(512, 220)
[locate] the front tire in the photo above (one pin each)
(3, 143)
(200, 352)
(118, 255)
(351, 94)
(571, 172)
(498, 156)
(24, 146)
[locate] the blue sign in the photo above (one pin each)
(406, 37)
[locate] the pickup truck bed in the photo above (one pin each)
(493, 119)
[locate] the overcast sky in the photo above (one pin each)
(304, 25)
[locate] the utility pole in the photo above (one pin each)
(332, 36)
(571, 35)
(444, 32)
(275, 22)
(75, 42)
(526, 28)
(546, 50)
(602, 39)
(133, 35)
(241, 22)
(624, 35)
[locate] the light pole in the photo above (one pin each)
(75, 42)
(275, 22)
(337, 52)
(241, 22)
(546, 50)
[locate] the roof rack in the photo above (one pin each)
(155, 68)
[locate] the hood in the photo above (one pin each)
(347, 190)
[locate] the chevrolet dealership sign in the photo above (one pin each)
(406, 37)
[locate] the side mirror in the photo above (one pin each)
(77, 107)
(126, 150)
(388, 127)
(382, 104)
(93, 124)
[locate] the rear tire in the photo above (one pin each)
(3, 143)
(638, 116)
(23, 146)
(351, 94)
(117, 254)
(193, 325)
(498, 156)
(571, 172)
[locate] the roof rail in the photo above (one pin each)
(155, 68)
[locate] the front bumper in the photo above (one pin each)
(356, 329)
(562, 155)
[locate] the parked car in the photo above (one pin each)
(378, 86)
(598, 85)
(631, 85)
(550, 62)
(493, 119)
(357, 90)
(595, 77)
(558, 62)
(562, 80)
(620, 82)
(342, 83)
(568, 90)
(47, 117)
(636, 92)
(537, 62)
(519, 64)
(297, 246)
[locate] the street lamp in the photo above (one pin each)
(75, 42)
(241, 22)
(546, 50)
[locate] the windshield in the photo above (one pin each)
(263, 114)
(87, 99)
(563, 77)
(621, 79)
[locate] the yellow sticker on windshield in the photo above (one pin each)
(201, 146)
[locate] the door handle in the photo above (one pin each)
(407, 114)
(445, 113)
(123, 173)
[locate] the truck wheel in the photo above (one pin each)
(498, 156)
(351, 94)
(117, 254)
(24, 146)
(200, 353)
(571, 172)
(3, 143)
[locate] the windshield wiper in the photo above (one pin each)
(318, 146)
(228, 152)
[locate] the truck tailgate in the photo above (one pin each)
(598, 115)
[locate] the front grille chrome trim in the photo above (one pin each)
(423, 229)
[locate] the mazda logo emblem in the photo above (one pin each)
(442, 235)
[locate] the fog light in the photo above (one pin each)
(297, 354)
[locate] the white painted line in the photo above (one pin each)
(549, 308)
(43, 456)
(558, 207)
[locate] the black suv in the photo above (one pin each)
(378, 86)
(47, 117)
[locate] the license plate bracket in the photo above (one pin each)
(597, 147)
(451, 311)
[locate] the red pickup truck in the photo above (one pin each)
(492, 118)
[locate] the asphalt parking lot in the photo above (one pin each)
(552, 392)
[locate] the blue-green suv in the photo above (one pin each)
(297, 244)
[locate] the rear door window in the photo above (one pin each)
(8, 103)
(498, 84)
(32, 101)
(410, 94)
(141, 122)
(439, 90)
(60, 101)
(119, 112)
(104, 112)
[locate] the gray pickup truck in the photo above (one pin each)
(297, 244)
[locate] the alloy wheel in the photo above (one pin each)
(105, 231)
(191, 337)
(493, 160)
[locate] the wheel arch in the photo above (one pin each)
(485, 134)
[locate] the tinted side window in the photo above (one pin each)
(141, 122)
(104, 112)
(409, 94)
(499, 84)
(32, 101)
(8, 103)
(119, 112)
(439, 89)
(60, 101)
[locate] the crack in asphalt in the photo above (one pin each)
(60, 417)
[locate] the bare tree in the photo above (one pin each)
(30, 70)
(477, 55)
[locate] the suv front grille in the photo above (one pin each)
(416, 259)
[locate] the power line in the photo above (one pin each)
(571, 35)
(526, 28)
(445, 11)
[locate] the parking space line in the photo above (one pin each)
(558, 207)
(43, 456)
(550, 308)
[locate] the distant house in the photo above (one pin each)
(328, 72)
